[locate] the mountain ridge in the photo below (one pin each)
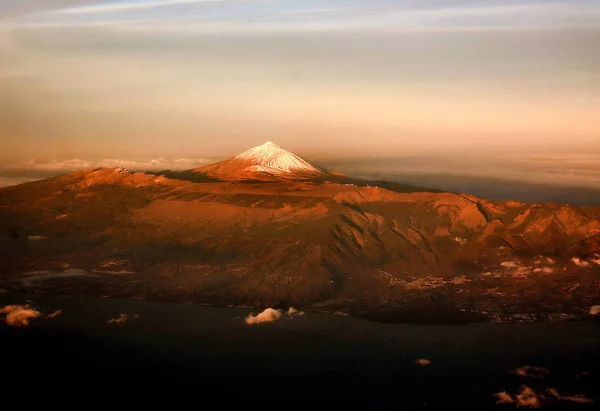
(327, 242)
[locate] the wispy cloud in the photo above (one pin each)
(55, 314)
(292, 312)
(294, 16)
(577, 398)
(15, 8)
(532, 372)
(123, 318)
(115, 7)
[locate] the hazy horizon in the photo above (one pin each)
(175, 84)
(143, 78)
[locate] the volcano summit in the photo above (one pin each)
(267, 228)
(267, 161)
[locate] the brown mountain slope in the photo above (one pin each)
(282, 242)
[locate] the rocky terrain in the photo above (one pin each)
(269, 229)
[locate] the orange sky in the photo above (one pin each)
(131, 81)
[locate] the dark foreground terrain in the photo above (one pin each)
(208, 353)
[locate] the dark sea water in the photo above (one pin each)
(210, 352)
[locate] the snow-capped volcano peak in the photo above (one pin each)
(269, 157)
(267, 161)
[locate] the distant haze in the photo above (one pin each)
(194, 80)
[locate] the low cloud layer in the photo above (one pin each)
(123, 318)
(182, 163)
(512, 178)
(570, 169)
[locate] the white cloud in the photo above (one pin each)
(545, 270)
(268, 315)
(19, 315)
(595, 310)
(292, 312)
(503, 398)
(579, 262)
(528, 398)
(532, 372)
(123, 318)
(54, 314)
(510, 264)
(423, 362)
